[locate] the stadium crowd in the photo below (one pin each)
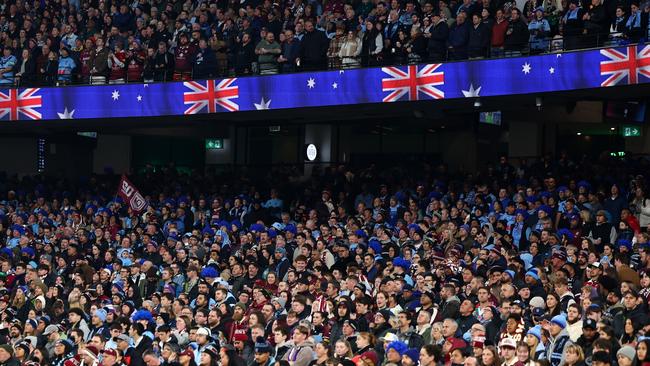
(543, 263)
(50, 42)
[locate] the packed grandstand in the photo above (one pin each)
(80, 41)
(540, 263)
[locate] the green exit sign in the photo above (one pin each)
(213, 144)
(631, 131)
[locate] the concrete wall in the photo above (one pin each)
(112, 152)
(524, 139)
(19, 155)
(321, 136)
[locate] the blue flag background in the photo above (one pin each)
(533, 74)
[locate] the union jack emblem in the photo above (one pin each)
(625, 65)
(25, 103)
(210, 95)
(412, 82)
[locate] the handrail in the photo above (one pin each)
(532, 47)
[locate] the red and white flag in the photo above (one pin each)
(131, 195)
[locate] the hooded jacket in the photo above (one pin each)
(300, 355)
(556, 349)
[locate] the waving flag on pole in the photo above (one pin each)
(131, 195)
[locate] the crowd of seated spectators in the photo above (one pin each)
(539, 263)
(80, 41)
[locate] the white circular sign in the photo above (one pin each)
(311, 152)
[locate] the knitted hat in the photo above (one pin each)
(414, 354)
(537, 302)
(533, 273)
(262, 346)
(536, 331)
(101, 314)
(559, 320)
(399, 347)
(627, 351)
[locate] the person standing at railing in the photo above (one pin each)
(416, 47)
(313, 48)
(437, 45)
(245, 55)
(617, 28)
(26, 71)
(335, 47)
(66, 66)
(596, 24)
(350, 51)
(635, 23)
(540, 31)
(267, 51)
(84, 57)
(372, 46)
(290, 52)
(516, 35)
(183, 55)
(99, 63)
(117, 64)
(498, 34)
(51, 69)
(7, 63)
(163, 63)
(205, 62)
(573, 25)
(134, 63)
(479, 38)
(399, 54)
(459, 38)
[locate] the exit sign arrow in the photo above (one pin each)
(631, 131)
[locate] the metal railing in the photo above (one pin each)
(535, 47)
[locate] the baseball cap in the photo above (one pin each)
(204, 331)
(589, 324)
(123, 337)
(389, 337)
(110, 352)
(508, 342)
(50, 329)
(188, 352)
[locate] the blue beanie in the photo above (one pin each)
(399, 347)
(546, 209)
(142, 314)
(533, 273)
(291, 228)
(536, 331)
(560, 320)
(8, 252)
(566, 232)
(401, 262)
(29, 251)
(413, 354)
(209, 272)
(375, 245)
(624, 243)
(257, 227)
(101, 314)
(510, 273)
